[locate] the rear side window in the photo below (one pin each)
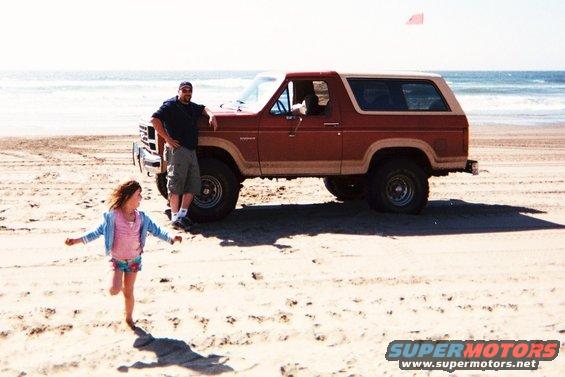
(396, 95)
(423, 96)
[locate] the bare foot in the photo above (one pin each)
(131, 323)
(115, 290)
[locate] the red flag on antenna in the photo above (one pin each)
(417, 19)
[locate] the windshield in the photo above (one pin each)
(256, 95)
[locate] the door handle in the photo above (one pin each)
(331, 124)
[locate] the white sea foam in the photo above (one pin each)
(514, 103)
(97, 102)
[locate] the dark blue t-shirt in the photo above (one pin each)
(180, 121)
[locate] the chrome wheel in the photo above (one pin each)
(400, 190)
(211, 193)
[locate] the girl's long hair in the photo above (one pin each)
(122, 193)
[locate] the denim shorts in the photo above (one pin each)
(127, 265)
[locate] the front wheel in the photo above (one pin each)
(398, 186)
(219, 193)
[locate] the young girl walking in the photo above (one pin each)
(125, 230)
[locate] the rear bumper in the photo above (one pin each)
(472, 167)
(145, 160)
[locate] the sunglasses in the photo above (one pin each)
(186, 90)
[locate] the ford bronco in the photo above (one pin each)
(377, 136)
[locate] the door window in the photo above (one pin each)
(303, 97)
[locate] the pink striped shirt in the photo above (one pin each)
(126, 244)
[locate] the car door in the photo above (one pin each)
(293, 142)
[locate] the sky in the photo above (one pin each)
(356, 35)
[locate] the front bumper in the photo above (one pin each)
(472, 167)
(145, 160)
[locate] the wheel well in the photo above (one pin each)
(219, 154)
(414, 154)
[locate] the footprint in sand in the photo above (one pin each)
(291, 370)
(320, 337)
(196, 287)
(37, 330)
(284, 318)
(231, 320)
(64, 328)
(258, 318)
(203, 321)
(291, 302)
(48, 312)
(175, 321)
(257, 275)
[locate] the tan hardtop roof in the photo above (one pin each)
(377, 74)
(391, 74)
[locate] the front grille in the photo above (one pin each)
(147, 136)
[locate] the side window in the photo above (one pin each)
(422, 96)
(396, 95)
(284, 103)
(303, 97)
(377, 95)
(311, 98)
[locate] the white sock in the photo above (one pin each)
(182, 213)
(174, 216)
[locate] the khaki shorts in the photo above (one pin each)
(183, 173)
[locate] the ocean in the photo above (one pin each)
(87, 102)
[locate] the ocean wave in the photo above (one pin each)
(493, 103)
(222, 83)
(107, 87)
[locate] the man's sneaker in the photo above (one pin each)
(187, 222)
(178, 224)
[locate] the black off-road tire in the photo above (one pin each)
(220, 191)
(161, 181)
(346, 188)
(398, 186)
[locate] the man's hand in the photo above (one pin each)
(156, 122)
(213, 122)
(211, 118)
(176, 239)
(172, 142)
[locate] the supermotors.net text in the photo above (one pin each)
(450, 366)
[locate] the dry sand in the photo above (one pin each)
(293, 282)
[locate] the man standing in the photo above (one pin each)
(176, 122)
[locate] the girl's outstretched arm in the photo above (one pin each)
(72, 241)
(94, 234)
(159, 232)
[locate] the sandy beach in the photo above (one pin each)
(293, 283)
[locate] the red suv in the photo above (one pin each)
(378, 136)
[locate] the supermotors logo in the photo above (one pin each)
(452, 355)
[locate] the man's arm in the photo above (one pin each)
(212, 121)
(156, 122)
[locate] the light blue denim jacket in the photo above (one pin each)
(107, 229)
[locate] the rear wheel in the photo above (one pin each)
(346, 188)
(398, 186)
(219, 193)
